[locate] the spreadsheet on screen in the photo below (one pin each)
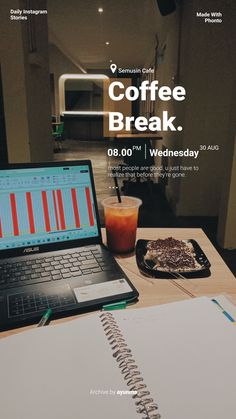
(46, 205)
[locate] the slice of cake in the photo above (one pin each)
(172, 255)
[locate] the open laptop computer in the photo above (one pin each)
(51, 252)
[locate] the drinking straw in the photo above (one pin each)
(117, 186)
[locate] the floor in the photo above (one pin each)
(155, 211)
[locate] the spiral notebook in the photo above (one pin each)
(174, 361)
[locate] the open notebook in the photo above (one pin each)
(175, 361)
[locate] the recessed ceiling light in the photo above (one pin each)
(107, 43)
(100, 10)
(110, 61)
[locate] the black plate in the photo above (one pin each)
(146, 267)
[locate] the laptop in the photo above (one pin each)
(51, 251)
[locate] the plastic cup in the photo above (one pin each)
(121, 219)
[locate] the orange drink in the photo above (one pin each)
(121, 220)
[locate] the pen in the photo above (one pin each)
(45, 318)
(115, 306)
(119, 305)
(223, 310)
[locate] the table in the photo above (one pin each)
(160, 291)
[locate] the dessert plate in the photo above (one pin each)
(147, 266)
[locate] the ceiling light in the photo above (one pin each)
(107, 43)
(110, 61)
(100, 10)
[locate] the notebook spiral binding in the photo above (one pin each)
(144, 403)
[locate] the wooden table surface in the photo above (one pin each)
(159, 291)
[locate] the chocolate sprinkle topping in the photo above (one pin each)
(171, 255)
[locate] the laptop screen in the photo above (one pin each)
(43, 205)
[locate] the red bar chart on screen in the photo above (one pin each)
(14, 214)
(30, 212)
(75, 207)
(46, 205)
(45, 210)
(55, 209)
(89, 205)
(61, 210)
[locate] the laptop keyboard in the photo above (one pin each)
(52, 268)
(27, 303)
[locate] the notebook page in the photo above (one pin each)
(49, 373)
(186, 354)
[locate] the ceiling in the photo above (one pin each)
(80, 31)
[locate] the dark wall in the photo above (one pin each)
(3, 138)
(83, 128)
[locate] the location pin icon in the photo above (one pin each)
(113, 68)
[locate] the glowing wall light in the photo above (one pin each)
(65, 78)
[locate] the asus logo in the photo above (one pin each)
(31, 249)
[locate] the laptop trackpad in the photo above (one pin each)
(31, 302)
